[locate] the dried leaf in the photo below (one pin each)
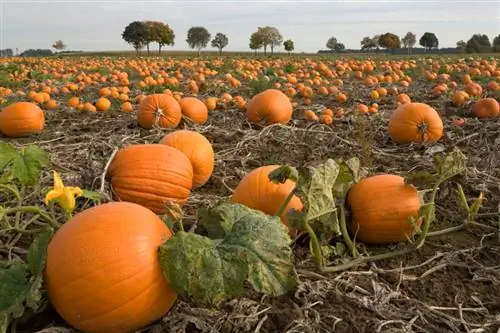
(350, 172)
(420, 179)
(451, 165)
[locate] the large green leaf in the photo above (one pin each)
(37, 253)
(14, 287)
(27, 165)
(7, 154)
(248, 246)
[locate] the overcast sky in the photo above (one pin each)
(97, 25)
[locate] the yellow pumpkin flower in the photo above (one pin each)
(64, 194)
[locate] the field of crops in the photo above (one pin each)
(199, 246)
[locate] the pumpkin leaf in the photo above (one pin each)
(283, 173)
(248, 246)
(37, 253)
(14, 287)
(420, 179)
(450, 165)
(7, 153)
(27, 166)
(350, 172)
(4, 322)
(315, 189)
(91, 195)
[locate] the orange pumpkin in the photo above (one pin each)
(103, 104)
(102, 272)
(380, 208)
(159, 109)
(151, 175)
(256, 191)
(415, 122)
(271, 105)
(199, 151)
(21, 119)
(194, 109)
(486, 108)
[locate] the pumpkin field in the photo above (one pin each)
(311, 193)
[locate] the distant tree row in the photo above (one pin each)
(479, 44)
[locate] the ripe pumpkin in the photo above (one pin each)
(194, 109)
(102, 272)
(380, 208)
(271, 105)
(159, 109)
(151, 175)
(102, 104)
(486, 108)
(256, 191)
(199, 151)
(415, 122)
(21, 119)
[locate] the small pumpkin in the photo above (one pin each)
(199, 151)
(486, 108)
(271, 105)
(256, 191)
(102, 104)
(102, 272)
(415, 122)
(381, 206)
(21, 119)
(159, 109)
(194, 109)
(151, 175)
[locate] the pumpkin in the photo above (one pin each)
(151, 175)
(486, 108)
(102, 270)
(102, 104)
(271, 105)
(199, 151)
(380, 208)
(21, 119)
(159, 109)
(256, 191)
(415, 122)
(194, 109)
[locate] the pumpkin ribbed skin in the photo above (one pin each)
(151, 175)
(380, 208)
(256, 191)
(486, 108)
(21, 119)
(160, 109)
(271, 105)
(194, 109)
(415, 122)
(199, 151)
(103, 274)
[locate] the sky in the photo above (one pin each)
(90, 25)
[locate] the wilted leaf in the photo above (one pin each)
(420, 179)
(26, 167)
(283, 173)
(7, 154)
(218, 221)
(350, 172)
(451, 165)
(254, 248)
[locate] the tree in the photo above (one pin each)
(256, 41)
(220, 41)
(136, 33)
(6, 53)
(389, 41)
(164, 35)
(289, 45)
(496, 44)
(409, 40)
(59, 45)
(332, 43)
(368, 43)
(270, 37)
(461, 45)
(429, 41)
(478, 44)
(375, 40)
(339, 47)
(198, 38)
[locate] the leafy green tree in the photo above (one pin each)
(496, 44)
(368, 43)
(256, 41)
(289, 45)
(409, 41)
(136, 33)
(220, 41)
(270, 37)
(339, 47)
(198, 38)
(461, 45)
(478, 44)
(429, 41)
(332, 43)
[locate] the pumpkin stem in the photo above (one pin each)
(33, 210)
(285, 203)
(315, 247)
(423, 129)
(345, 234)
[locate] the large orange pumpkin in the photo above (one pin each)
(271, 105)
(21, 119)
(486, 108)
(199, 151)
(415, 122)
(380, 208)
(256, 191)
(194, 109)
(151, 175)
(103, 274)
(159, 109)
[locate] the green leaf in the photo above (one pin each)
(284, 173)
(10, 188)
(37, 252)
(7, 154)
(91, 195)
(350, 172)
(14, 287)
(451, 165)
(420, 179)
(26, 167)
(250, 246)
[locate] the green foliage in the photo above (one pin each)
(198, 38)
(243, 245)
(136, 33)
(289, 45)
(23, 165)
(429, 40)
(389, 41)
(478, 44)
(220, 41)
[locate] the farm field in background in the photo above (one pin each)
(342, 129)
